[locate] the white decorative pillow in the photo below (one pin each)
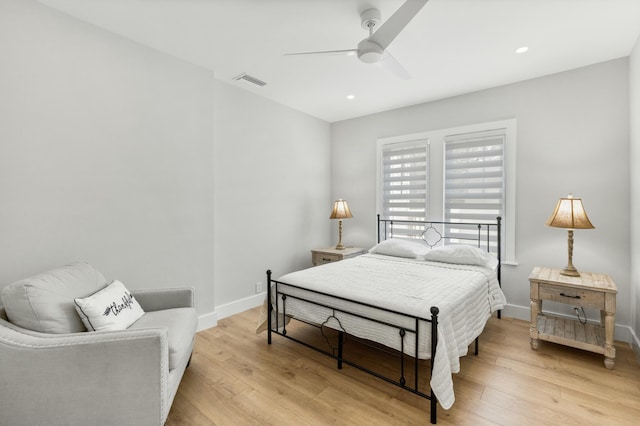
(400, 248)
(463, 255)
(112, 308)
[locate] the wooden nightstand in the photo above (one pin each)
(589, 290)
(318, 257)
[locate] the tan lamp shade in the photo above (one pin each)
(340, 211)
(569, 214)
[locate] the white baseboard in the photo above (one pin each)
(517, 312)
(241, 305)
(207, 321)
(211, 319)
(622, 332)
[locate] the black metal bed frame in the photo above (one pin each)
(385, 231)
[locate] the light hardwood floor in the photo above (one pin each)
(235, 378)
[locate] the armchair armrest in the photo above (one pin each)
(159, 299)
(57, 379)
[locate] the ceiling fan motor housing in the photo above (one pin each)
(369, 52)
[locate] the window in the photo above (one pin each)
(404, 170)
(474, 181)
(464, 174)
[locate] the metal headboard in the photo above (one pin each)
(435, 233)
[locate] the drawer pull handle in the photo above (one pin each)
(566, 295)
(326, 260)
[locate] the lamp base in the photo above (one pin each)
(339, 246)
(570, 271)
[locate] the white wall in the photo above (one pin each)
(148, 167)
(573, 136)
(634, 160)
(272, 200)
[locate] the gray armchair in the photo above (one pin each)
(127, 377)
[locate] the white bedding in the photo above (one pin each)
(466, 295)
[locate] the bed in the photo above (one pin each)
(425, 298)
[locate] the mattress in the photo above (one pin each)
(466, 296)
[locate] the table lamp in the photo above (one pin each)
(340, 211)
(570, 214)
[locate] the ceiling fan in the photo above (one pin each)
(373, 49)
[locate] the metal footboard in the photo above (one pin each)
(278, 325)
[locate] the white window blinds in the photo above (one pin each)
(474, 185)
(405, 182)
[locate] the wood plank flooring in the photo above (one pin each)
(235, 378)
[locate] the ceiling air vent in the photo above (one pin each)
(250, 79)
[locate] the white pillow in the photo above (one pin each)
(400, 248)
(463, 255)
(112, 308)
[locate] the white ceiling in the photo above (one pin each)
(451, 47)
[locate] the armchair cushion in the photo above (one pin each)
(181, 324)
(44, 302)
(112, 308)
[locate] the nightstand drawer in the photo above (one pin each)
(328, 255)
(572, 296)
(320, 258)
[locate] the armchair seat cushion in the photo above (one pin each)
(181, 324)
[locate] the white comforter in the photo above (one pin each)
(466, 296)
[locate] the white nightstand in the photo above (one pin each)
(327, 255)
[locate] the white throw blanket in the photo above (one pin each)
(465, 295)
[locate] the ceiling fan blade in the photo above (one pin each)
(396, 23)
(325, 52)
(392, 66)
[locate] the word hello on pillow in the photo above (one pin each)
(112, 308)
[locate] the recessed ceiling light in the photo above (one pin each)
(351, 97)
(522, 49)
